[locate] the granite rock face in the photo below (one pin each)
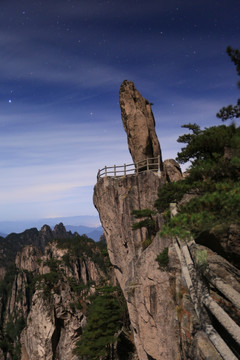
(167, 307)
(139, 123)
(44, 302)
(27, 259)
(54, 324)
(146, 289)
(172, 170)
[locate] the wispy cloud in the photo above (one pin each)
(65, 71)
(54, 163)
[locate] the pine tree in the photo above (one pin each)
(147, 221)
(103, 322)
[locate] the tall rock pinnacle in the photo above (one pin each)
(139, 123)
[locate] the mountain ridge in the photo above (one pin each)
(18, 226)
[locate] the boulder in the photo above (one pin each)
(172, 170)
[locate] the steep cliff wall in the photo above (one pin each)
(44, 296)
(148, 291)
(54, 322)
(188, 310)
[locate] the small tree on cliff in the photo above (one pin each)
(103, 322)
(147, 222)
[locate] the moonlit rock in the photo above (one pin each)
(139, 124)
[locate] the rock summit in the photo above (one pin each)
(139, 123)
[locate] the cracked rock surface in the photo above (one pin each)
(146, 288)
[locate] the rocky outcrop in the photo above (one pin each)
(28, 258)
(44, 296)
(172, 170)
(139, 123)
(148, 290)
(13, 243)
(54, 323)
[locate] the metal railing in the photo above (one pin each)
(150, 164)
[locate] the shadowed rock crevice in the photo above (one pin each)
(87, 277)
(79, 269)
(225, 335)
(150, 357)
(59, 325)
(227, 245)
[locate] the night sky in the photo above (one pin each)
(62, 63)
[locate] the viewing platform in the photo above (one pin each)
(150, 164)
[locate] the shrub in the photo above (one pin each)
(163, 259)
(147, 222)
(146, 243)
(104, 321)
(201, 258)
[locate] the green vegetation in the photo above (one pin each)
(209, 197)
(80, 289)
(201, 258)
(79, 249)
(6, 283)
(12, 243)
(47, 282)
(212, 185)
(147, 222)
(163, 259)
(104, 316)
(66, 259)
(14, 327)
(146, 243)
(10, 332)
(82, 246)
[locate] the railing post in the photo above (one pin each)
(159, 166)
(125, 173)
(105, 171)
(114, 170)
(147, 164)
